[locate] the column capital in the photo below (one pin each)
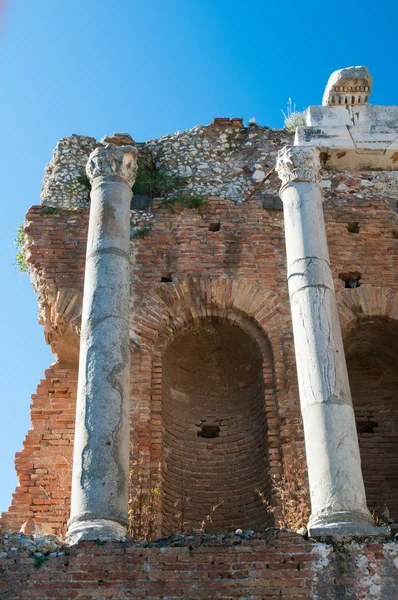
(111, 161)
(298, 163)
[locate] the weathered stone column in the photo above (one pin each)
(102, 438)
(334, 466)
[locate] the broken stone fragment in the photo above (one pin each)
(119, 139)
(348, 86)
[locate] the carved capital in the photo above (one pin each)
(298, 163)
(112, 160)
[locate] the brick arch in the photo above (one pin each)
(370, 333)
(185, 303)
(365, 301)
(61, 316)
(186, 300)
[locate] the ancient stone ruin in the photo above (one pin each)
(221, 417)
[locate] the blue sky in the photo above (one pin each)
(149, 68)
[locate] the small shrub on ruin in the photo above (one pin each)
(293, 117)
(50, 210)
(292, 492)
(39, 561)
(144, 497)
(19, 241)
(208, 518)
(140, 232)
(83, 180)
(379, 509)
(178, 204)
(156, 183)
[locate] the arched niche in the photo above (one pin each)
(214, 439)
(371, 346)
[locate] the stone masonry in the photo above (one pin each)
(217, 326)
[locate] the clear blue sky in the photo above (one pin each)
(149, 68)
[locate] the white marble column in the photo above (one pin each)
(334, 467)
(102, 432)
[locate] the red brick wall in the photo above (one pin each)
(236, 275)
(271, 566)
(215, 450)
(372, 353)
(42, 498)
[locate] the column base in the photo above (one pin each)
(96, 529)
(340, 527)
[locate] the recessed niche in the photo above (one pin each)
(371, 349)
(166, 278)
(215, 435)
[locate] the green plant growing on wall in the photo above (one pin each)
(39, 561)
(139, 231)
(293, 117)
(50, 210)
(19, 241)
(209, 517)
(83, 180)
(178, 204)
(292, 491)
(156, 183)
(144, 497)
(152, 182)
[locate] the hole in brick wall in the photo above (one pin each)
(208, 431)
(371, 348)
(214, 445)
(166, 278)
(215, 226)
(353, 227)
(365, 426)
(395, 233)
(351, 280)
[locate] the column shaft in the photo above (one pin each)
(334, 468)
(102, 431)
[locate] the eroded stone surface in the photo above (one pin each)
(217, 160)
(102, 433)
(351, 134)
(298, 164)
(119, 161)
(120, 139)
(64, 177)
(351, 86)
(334, 471)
